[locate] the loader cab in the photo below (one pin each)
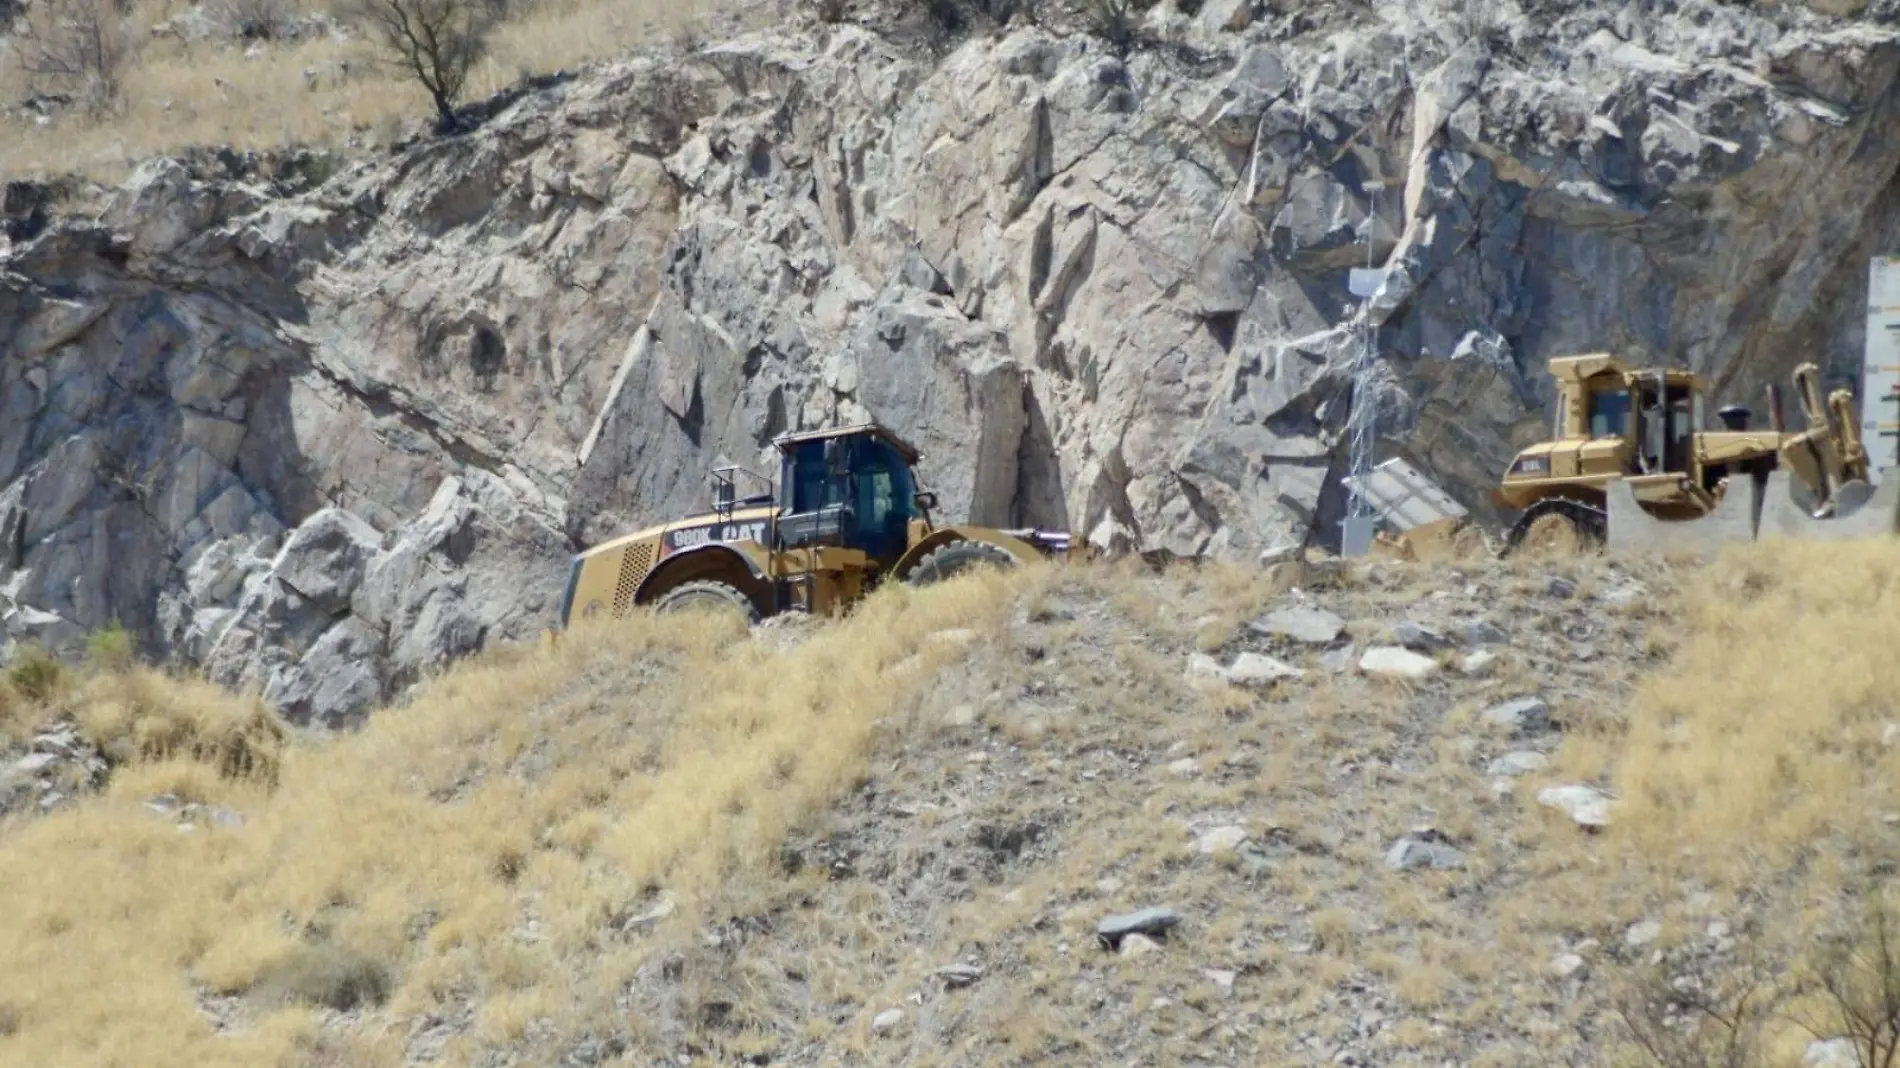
(852, 489)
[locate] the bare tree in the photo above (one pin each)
(1858, 975)
(1715, 1019)
(1116, 20)
(436, 41)
(77, 48)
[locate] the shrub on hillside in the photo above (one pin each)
(77, 49)
(36, 674)
(1115, 19)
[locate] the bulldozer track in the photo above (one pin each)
(1590, 520)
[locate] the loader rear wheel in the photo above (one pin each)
(949, 561)
(707, 594)
(1556, 527)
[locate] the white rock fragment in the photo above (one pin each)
(1256, 670)
(1220, 840)
(1139, 945)
(1390, 661)
(1584, 804)
(1642, 934)
(885, 1022)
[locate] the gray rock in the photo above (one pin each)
(1116, 308)
(1642, 934)
(1569, 966)
(324, 560)
(1519, 762)
(1234, 16)
(1148, 921)
(1420, 638)
(1484, 632)
(1424, 849)
(34, 764)
(1478, 664)
(1560, 588)
(1202, 666)
(1222, 978)
(1522, 715)
(956, 976)
(335, 684)
(1313, 626)
(61, 743)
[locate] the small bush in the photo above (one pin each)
(37, 674)
(143, 715)
(111, 649)
(327, 974)
(1115, 20)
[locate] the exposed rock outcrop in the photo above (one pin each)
(322, 431)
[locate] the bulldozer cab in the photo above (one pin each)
(1625, 422)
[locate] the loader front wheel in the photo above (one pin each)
(956, 558)
(707, 594)
(1555, 528)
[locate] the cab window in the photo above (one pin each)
(1609, 414)
(812, 485)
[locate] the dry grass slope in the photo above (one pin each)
(486, 850)
(320, 91)
(646, 840)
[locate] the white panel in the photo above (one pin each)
(1880, 372)
(1404, 497)
(1364, 281)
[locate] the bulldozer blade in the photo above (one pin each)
(1859, 512)
(1633, 529)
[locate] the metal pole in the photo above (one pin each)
(1362, 421)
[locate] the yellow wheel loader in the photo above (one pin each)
(844, 514)
(1630, 464)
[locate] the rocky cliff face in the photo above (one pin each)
(319, 429)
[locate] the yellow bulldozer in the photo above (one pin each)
(844, 514)
(1629, 464)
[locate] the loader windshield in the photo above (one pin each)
(884, 498)
(871, 478)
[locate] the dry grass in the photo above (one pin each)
(1771, 742)
(496, 848)
(550, 831)
(321, 91)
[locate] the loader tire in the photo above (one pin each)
(1556, 526)
(956, 558)
(707, 594)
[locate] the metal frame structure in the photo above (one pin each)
(1362, 433)
(1880, 368)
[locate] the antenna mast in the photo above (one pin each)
(1362, 420)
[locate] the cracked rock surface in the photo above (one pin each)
(320, 426)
